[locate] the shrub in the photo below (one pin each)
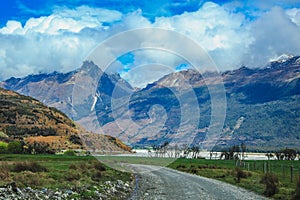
(240, 174)
(73, 166)
(29, 166)
(271, 182)
(41, 148)
(15, 147)
(193, 170)
(3, 147)
(297, 191)
(96, 176)
(99, 166)
(82, 166)
(72, 175)
(75, 139)
(28, 178)
(4, 171)
(180, 166)
(69, 153)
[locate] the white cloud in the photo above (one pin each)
(58, 42)
(294, 14)
(62, 40)
(11, 27)
(274, 34)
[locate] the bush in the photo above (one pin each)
(28, 178)
(29, 166)
(69, 153)
(41, 148)
(96, 176)
(72, 175)
(297, 191)
(271, 182)
(3, 147)
(4, 171)
(99, 166)
(193, 170)
(15, 147)
(240, 174)
(73, 166)
(181, 166)
(75, 139)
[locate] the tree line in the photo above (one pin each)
(237, 152)
(20, 147)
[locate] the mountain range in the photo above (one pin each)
(262, 105)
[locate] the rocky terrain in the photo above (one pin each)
(109, 190)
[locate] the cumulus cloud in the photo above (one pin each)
(59, 42)
(274, 34)
(62, 40)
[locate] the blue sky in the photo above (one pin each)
(57, 35)
(22, 10)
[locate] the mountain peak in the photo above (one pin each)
(282, 58)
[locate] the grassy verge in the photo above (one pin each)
(248, 176)
(56, 171)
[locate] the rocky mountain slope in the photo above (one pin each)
(262, 105)
(26, 119)
(72, 93)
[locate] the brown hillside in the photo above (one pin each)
(26, 119)
(24, 116)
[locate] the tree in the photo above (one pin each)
(177, 151)
(243, 147)
(15, 147)
(69, 152)
(279, 155)
(225, 154)
(232, 153)
(269, 155)
(41, 148)
(289, 154)
(75, 139)
(186, 150)
(195, 151)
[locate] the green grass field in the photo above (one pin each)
(60, 171)
(225, 170)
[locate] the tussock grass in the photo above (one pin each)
(28, 166)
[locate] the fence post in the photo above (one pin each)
(265, 166)
(292, 170)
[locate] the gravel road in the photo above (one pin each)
(163, 183)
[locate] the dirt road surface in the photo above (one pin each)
(163, 183)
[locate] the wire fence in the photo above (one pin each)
(284, 170)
